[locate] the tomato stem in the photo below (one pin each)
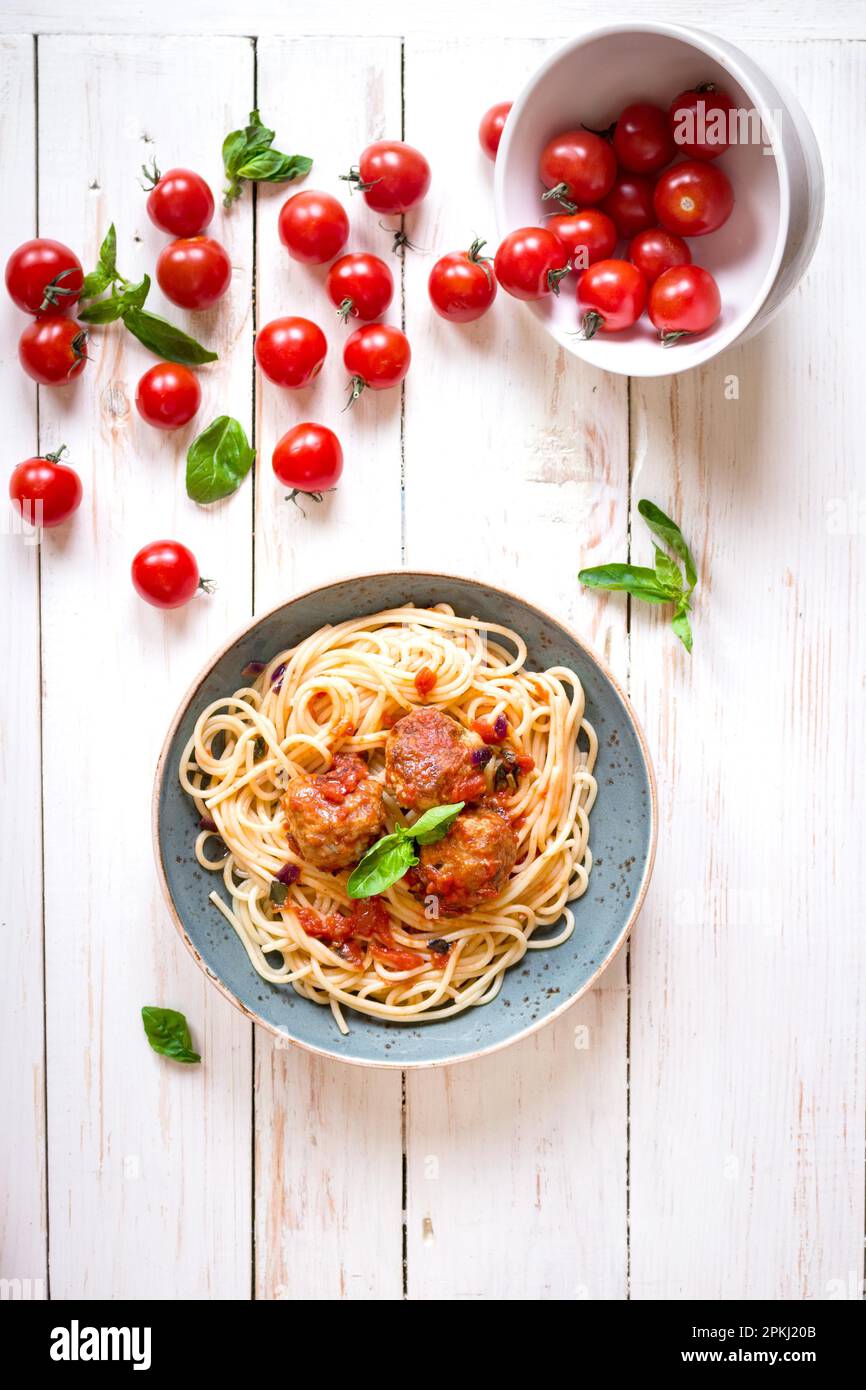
(55, 455)
(560, 193)
(297, 492)
(355, 182)
(401, 242)
(152, 176)
(592, 322)
(554, 277)
(668, 339)
(207, 586)
(356, 386)
(54, 289)
(346, 309)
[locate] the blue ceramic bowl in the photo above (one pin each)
(622, 837)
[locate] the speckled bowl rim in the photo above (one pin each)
(396, 1065)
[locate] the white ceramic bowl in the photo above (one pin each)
(763, 249)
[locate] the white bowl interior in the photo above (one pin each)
(589, 84)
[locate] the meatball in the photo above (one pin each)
(429, 761)
(470, 864)
(333, 817)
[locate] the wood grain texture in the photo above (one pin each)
(516, 472)
(328, 1137)
(22, 1079)
(749, 1011)
(738, 20)
(151, 1161)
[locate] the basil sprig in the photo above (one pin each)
(218, 460)
(125, 301)
(390, 857)
(663, 584)
(168, 1033)
(248, 156)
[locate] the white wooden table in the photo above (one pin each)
(693, 1127)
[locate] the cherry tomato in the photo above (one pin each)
(699, 121)
(313, 227)
(656, 250)
(392, 175)
(630, 204)
(360, 285)
(684, 300)
(179, 202)
(642, 139)
(309, 459)
(462, 286)
(612, 295)
(491, 128)
(43, 275)
(577, 167)
(291, 351)
(45, 491)
(693, 198)
(530, 263)
(194, 272)
(377, 356)
(53, 349)
(168, 396)
(587, 236)
(165, 573)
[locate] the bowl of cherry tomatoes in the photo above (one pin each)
(658, 197)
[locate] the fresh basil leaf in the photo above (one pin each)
(269, 166)
(633, 579)
(682, 627)
(670, 533)
(383, 864)
(218, 461)
(278, 892)
(163, 338)
(435, 823)
(667, 573)
(248, 156)
(257, 136)
(94, 283)
(107, 264)
(133, 296)
(168, 1033)
(102, 310)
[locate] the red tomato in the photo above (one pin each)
(377, 356)
(462, 286)
(165, 573)
(630, 204)
(179, 202)
(309, 459)
(587, 236)
(577, 167)
(530, 263)
(194, 272)
(44, 275)
(313, 227)
(693, 198)
(699, 121)
(612, 295)
(360, 285)
(168, 396)
(642, 139)
(53, 349)
(291, 351)
(684, 300)
(491, 128)
(392, 176)
(656, 250)
(45, 491)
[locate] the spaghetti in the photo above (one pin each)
(341, 690)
